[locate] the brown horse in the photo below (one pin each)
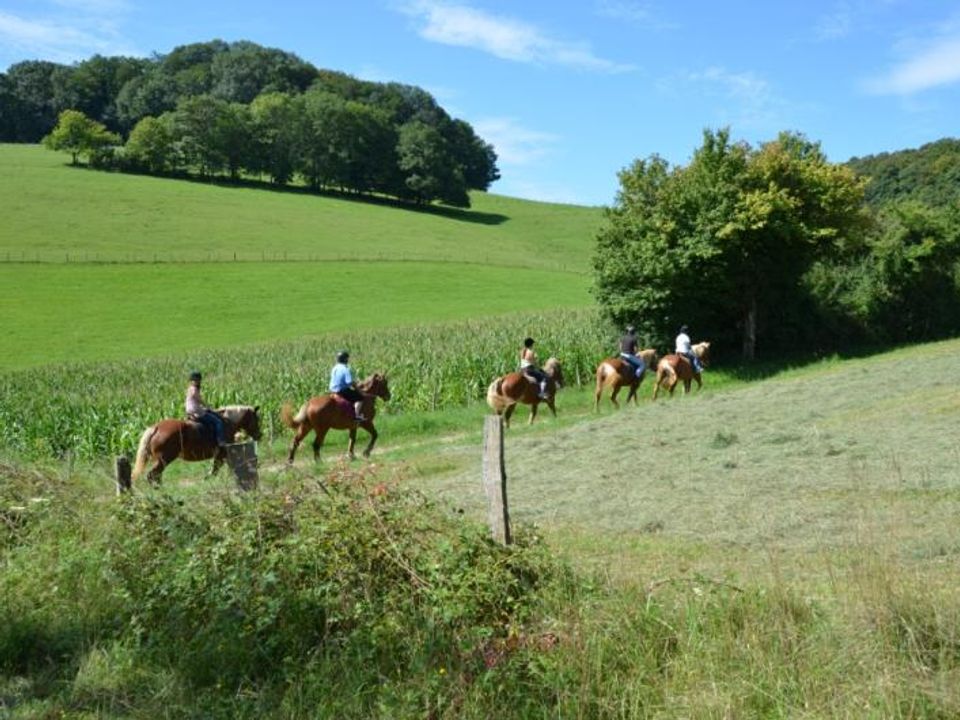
(674, 368)
(171, 439)
(617, 373)
(327, 412)
(505, 392)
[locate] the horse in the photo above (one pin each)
(617, 373)
(327, 412)
(505, 392)
(673, 368)
(171, 439)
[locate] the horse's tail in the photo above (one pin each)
(289, 419)
(143, 451)
(494, 396)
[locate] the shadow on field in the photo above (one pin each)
(452, 213)
(761, 369)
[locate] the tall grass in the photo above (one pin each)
(92, 410)
(358, 598)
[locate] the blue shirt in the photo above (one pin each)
(340, 377)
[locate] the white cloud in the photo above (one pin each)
(515, 144)
(71, 30)
(836, 24)
(640, 13)
(937, 64)
(506, 38)
(743, 99)
(535, 190)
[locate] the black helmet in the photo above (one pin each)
(684, 329)
(342, 356)
(528, 342)
(631, 329)
(195, 376)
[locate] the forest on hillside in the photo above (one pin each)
(929, 174)
(232, 109)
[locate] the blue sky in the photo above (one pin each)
(570, 93)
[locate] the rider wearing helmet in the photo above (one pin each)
(684, 348)
(628, 351)
(528, 366)
(341, 383)
(198, 411)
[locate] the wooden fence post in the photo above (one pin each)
(242, 459)
(122, 472)
(495, 479)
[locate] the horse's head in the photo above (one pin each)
(376, 385)
(702, 351)
(649, 357)
(553, 370)
(244, 417)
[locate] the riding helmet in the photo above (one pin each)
(195, 376)
(684, 329)
(342, 356)
(631, 329)
(528, 342)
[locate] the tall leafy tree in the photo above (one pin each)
(428, 168)
(79, 135)
(31, 83)
(725, 242)
(277, 135)
(151, 145)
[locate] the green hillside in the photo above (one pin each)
(929, 174)
(145, 266)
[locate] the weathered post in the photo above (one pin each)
(242, 459)
(122, 472)
(495, 479)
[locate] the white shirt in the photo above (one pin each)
(683, 344)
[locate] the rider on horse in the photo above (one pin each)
(684, 348)
(198, 411)
(341, 383)
(628, 351)
(528, 366)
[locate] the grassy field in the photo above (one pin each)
(100, 266)
(770, 548)
(111, 217)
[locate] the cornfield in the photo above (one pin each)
(95, 409)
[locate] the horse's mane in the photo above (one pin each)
(234, 413)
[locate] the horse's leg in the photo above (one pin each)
(218, 460)
(656, 385)
(302, 430)
(550, 404)
(156, 471)
(672, 382)
(598, 393)
(368, 426)
(533, 412)
(508, 413)
(613, 395)
(318, 438)
(632, 395)
(686, 386)
(353, 441)
(699, 382)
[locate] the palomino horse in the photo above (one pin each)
(327, 412)
(171, 439)
(673, 368)
(617, 373)
(505, 392)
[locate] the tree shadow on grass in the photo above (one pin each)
(446, 211)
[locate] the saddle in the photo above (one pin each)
(344, 405)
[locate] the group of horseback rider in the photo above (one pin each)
(342, 382)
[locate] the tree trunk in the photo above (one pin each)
(750, 329)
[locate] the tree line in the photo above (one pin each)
(772, 249)
(235, 109)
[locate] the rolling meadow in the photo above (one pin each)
(781, 544)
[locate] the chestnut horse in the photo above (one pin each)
(673, 368)
(617, 373)
(327, 412)
(505, 392)
(171, 439)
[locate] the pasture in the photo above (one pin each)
(132, 258)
